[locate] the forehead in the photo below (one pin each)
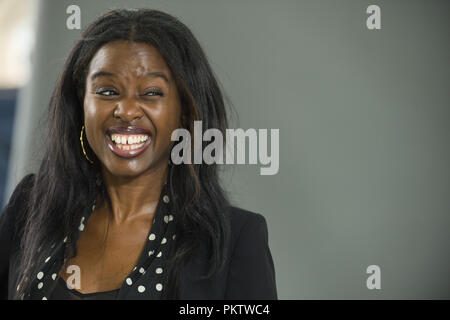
(131, 58)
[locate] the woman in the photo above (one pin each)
(108, 216)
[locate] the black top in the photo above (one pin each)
(248, 274)
(63, 292)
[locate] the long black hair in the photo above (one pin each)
(66, 182)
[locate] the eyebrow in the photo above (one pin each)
(147, 75)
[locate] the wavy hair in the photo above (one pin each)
(65, 184)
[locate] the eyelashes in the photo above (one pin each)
(108, 92)
(155, 92)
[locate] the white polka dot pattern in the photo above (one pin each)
(146, 280)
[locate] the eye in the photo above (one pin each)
(106, 92)
(154, 92)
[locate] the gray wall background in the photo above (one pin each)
(364, 132)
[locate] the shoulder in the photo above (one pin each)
(241, 218)
(252, 273)
(9, 224)
(247, 228)
(24, 186)
(14, 208)
(21, 191)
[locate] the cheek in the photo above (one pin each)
(92, 120)
(90, 110)
(171, 121)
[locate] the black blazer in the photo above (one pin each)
(249, 272)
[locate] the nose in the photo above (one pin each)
(128, 110)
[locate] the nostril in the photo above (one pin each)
(127, 117)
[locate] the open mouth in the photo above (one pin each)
(127, 142)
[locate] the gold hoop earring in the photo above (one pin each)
(82, 145)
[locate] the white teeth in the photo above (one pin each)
(129, 147)
(128, 139)
(134, 146)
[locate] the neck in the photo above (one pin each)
(132, 197)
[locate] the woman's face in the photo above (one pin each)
(131, 107)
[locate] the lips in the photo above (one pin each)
(128, 142)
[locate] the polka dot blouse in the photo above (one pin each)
(146, 281)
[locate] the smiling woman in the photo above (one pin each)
(108, 202)
(130, 83)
